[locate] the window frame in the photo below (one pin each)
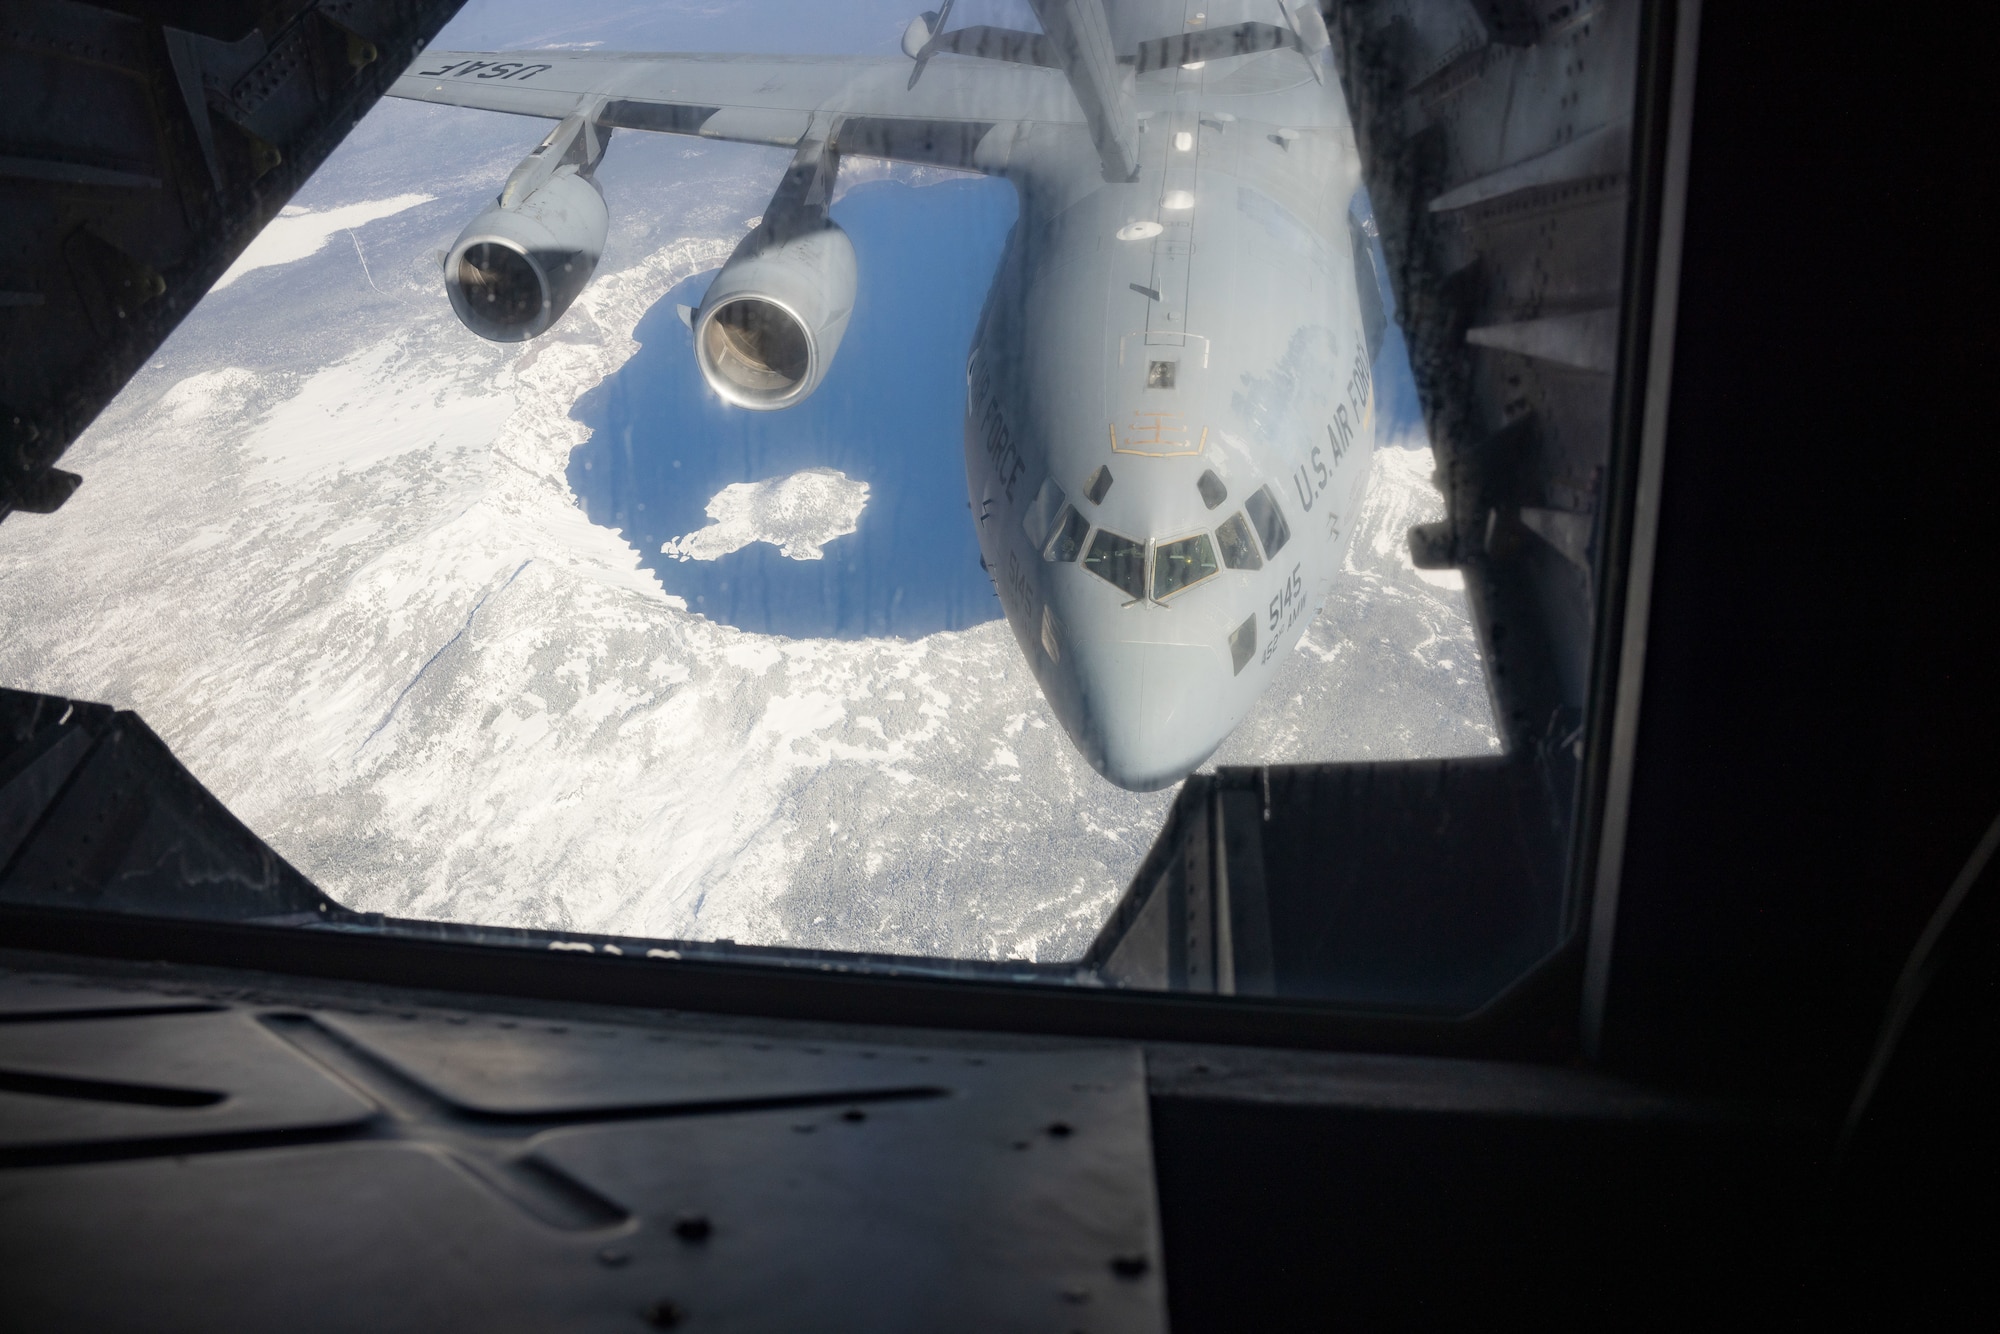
(433, 957)
(1145, 562)
(1278, 512)
(1056, 531)
(1152, 565)
(1249, 542)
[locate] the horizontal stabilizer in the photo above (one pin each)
(1193, 48)
(1008, 44)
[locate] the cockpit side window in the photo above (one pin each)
(1069, 533)
(1099, 485)
(1119, 561)
(1040, 518)
(1181, 564)
(1238, 551)
(1270, 520)
(1213, 492)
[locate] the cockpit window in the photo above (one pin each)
(1099, 485)
(1068, 539)
(1213, 492)
(1270, 520)
(1180, 564)
(1238, 551)
(1119, 561)
(1041, 514)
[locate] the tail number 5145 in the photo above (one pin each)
(1287, 603)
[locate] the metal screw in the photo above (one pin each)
(854, 1114)
(1060, 1130)
(693, 1227)
(1129, 1266)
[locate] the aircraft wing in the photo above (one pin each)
(755, 98)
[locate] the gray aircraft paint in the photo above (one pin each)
(1258, 310)
(1229, 256)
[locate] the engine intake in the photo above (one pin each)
(773, 318)
(517, 268)
(514, 271)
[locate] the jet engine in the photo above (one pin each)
(767, 330)
(517, 268)
(773, 318)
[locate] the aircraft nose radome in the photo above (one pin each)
(1155, 713)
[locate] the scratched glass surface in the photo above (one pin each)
(834, 517)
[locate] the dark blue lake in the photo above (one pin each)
(890, 413)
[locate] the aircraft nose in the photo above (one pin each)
(1155, 711)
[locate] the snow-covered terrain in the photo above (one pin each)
(798, 515)
(298, 232)
(336, 563)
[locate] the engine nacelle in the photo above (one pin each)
(773, 318)
(516, 269)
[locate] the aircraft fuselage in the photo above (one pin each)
(1162, 365)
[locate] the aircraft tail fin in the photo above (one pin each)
(1081, 37)
(1076, 39)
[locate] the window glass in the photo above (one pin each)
(1099, 485)
(1270, 520)
(1119, 561)
(1039, 519)
(1068, 539)
(1238, 551)
(1182, 563)
(666, 533)
(1213, 492)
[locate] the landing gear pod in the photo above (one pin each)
(771, 322)
(517, 268)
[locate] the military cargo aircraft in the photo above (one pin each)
(1169, 396)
